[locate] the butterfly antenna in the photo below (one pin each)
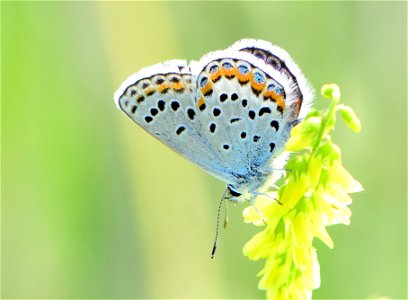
(218, 225)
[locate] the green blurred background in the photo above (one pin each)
(93, 207)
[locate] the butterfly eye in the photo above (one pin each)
(278, 90)
(233, 192)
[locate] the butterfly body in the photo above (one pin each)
(231, 112)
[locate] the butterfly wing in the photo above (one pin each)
(160, 99)
(246, 109)
(230, 113)
(282, 62)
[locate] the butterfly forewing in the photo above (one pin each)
(161, 100)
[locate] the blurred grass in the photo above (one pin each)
(93, 207)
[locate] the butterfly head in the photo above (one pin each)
(235, 194)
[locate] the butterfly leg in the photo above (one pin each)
(256, 209)
(262, 194)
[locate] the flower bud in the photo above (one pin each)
(349, 117)
(331, 91)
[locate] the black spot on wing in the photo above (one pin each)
(180, 130)
(212, 127)
(223, 97)
(275, 124)
(154, 111)
(161, 105)
(264, 110)
(191, 113)
(175, 105)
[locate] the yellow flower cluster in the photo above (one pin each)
(314, 195)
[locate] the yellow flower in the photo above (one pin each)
(304, 134)
(313, 195)
(341, 177)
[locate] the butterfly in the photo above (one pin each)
(230, 112)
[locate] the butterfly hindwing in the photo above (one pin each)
(301, 93)
(243, 110)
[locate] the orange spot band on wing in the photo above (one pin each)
(272, 95)
(149, 90)
(200, 102)
(139, 98)
(178, 86)
(206, 88)
(229, 73)
(258, 86)
(244, 78)
(216, 75)
(163, 87)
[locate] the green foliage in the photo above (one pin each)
(314, 195)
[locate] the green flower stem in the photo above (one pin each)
(331, 92)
